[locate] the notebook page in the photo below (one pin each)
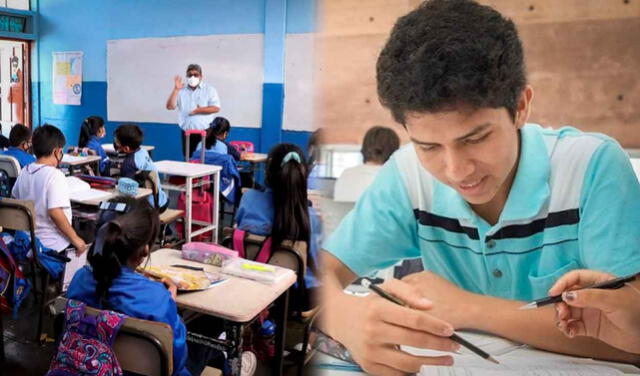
(466, 366)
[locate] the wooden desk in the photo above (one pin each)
(191, 171)
(237, 301)
(253, 157)
(75, 161)
(142, 192)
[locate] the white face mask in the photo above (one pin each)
(193, 81)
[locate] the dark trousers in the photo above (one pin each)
(193, 143)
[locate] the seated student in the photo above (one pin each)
(282, 209)
(91, 131)
(19, 145)
(4, 142)
(217, 133)
(127, 140)
(608, 315)
(378, 145)
(123, 241)
(496, 208)
(46, 186)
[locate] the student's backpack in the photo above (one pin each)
(14, 287)
(201, 210)
(86, 345)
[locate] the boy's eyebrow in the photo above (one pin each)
(473, 132)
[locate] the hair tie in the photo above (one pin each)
(290, 155)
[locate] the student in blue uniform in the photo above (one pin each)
(91, 131)
(215, 141)
(127, 139)
(125, 233)
(497, 209)
(282, 209)
(20, 145)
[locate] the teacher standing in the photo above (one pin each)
(196, 103)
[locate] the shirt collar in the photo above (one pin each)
(529, 191)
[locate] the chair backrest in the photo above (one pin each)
(9, 170)
(142, 346)
(291, 255)
(18, 215)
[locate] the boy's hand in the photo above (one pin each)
(450, 302)
(373, 327)
(609, 315)
(79, 245)
(173, 289)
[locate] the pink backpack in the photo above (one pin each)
(264, 254)
(86, 345)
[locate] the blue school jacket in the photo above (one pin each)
(94, 144)
(139, 297)
(22, 156)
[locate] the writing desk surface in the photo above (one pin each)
(113, 192)
(108, 148)
(236, 299)
(253, 157)
(74, 160)
(186, 169)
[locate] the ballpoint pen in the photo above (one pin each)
(611, 284)
(367, 283)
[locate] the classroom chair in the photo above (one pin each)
(9, 170)
(291, 255)
(169, 215)
(141, 346)
(20, 215)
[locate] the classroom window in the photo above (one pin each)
(15, 4)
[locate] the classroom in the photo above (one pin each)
(326, 187)
(141, 135)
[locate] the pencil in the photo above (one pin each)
(366, 282)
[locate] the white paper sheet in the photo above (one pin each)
(72, 267)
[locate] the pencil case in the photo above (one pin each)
(128, 187)
(207, 253)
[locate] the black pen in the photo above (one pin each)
(367, 283)
(608, 285)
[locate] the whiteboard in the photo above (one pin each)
(299, 91)
(140, 75)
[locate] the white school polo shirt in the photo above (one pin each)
(47, 187)
(574, 203)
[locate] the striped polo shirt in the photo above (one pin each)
(574, 203)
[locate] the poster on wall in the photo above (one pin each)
(67, 77)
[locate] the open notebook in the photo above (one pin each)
(79, 190)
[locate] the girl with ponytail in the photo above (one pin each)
(282, 210)
(91, 131)
(126, 231)
(215, 141)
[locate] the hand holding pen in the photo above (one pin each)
(367, 283)
(611, 315)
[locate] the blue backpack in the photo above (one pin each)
(14, 287)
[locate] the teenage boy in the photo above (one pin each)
(498, 209)
(44, 184)
(19, 145)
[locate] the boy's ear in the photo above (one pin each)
(524, 106)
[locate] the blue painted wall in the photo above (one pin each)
(71, 25)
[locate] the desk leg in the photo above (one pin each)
(234, 332)
(216, 202)
(189, 212)
(280, 310)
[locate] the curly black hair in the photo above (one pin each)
(451, 53)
